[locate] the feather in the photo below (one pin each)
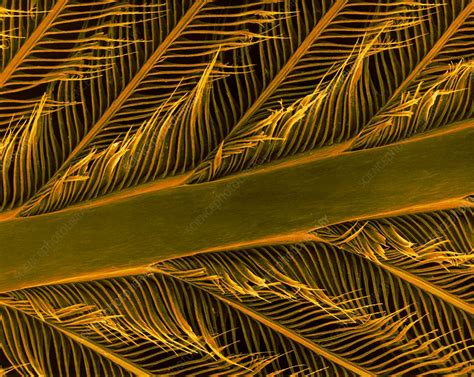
(215, 187)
